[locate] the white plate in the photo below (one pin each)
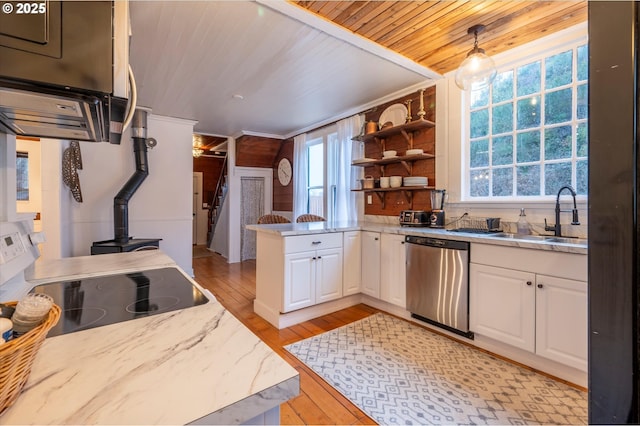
(396, 113)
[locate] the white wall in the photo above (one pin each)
(161, 208)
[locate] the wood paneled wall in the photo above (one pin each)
(425, 139)
(210, 168)
(283, 195)
(256, 151)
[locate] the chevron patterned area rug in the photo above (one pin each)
(399, 373)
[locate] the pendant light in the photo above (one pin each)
(478, 70)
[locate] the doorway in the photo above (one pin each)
(199, 234)
(252, 207)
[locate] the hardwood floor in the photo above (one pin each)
(318, 403)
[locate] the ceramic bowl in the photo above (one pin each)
(388, 154)
(395, 181)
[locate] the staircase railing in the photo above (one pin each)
(217, 201)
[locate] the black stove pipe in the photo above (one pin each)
(121, 200)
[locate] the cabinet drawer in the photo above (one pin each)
(312, 242)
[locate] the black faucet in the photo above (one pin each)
(557, 231)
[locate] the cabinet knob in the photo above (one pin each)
(375, 239)
(319, 257)
(401, 242)
(540, 286)
(313, 258)
(529, 283)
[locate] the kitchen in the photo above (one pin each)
(83, 225)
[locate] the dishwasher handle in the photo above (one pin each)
(437, 242)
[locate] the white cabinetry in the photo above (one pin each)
(531, 299)
(503, 305)
(393, 287)
(561, 320)
(352, 270)
(371, 263)
(312, 270)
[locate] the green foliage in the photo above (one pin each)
(502, 118)
(528, 112)
(528, 77)
(528, 147)
(557, 143)
(559, 69)
(479, 153)
(558, 106)
(479, 183)
(480, 123)
(528, 180)
(502, 151)
(556, 175)
(502, 89)
(502, 185)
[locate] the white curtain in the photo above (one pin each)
(252, 207)
(300, 193)
(346, 201)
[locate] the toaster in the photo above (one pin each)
(414, 218)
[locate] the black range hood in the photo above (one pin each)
(61, 70)
(27, 110)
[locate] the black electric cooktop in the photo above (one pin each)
(97, 301)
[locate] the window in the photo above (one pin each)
(315, 177)
(527, 133)
(22, 176)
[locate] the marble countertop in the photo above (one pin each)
(193, 364)
(292, 229)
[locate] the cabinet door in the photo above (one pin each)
(328, 280)
(393, 283)
(502, 305)
(371, 263)
(299, 280)
(561, 320)
(351, 253)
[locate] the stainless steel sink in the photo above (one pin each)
(520, 237)
(567, 240)
(543, 238)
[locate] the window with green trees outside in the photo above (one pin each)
(528, 131)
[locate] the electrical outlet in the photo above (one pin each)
(369, 199)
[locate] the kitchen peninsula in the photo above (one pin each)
(305, 270)
(197, 365)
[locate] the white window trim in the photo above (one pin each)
(450, 122)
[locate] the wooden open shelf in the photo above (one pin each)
(406, 190)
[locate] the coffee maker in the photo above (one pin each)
(436, 217)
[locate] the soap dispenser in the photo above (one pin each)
(523, 225)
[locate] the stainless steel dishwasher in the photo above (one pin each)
(438, 282)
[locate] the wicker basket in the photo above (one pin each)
(17, 355)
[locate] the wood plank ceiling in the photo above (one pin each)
(434, 33)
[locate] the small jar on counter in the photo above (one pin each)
(6, 330)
